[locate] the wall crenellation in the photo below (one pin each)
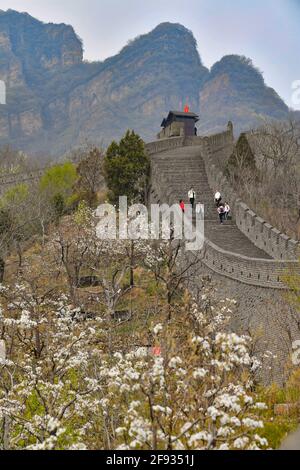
(263, 235)
(258, 272)
(164, 145)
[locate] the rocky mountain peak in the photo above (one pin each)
(55, 100)
(29, 46)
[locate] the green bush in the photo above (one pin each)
(126, 167)
(57, 184)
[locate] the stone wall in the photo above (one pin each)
(175, 129)
(160, 188)
(216, 178)
(256, 284)
(221, 140)
(265, 236)
(256, 272)
(261, 313)
(213, 143)
(264, 273)
(164, 145)
(6, 181)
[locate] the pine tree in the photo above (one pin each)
(126, 167)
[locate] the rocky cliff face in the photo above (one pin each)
(55, 100)
(29, 48)
(31, 54)
(235, 90)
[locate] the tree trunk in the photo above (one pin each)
(132, 264)
(19, 251)
(6, 429)
(2, 267)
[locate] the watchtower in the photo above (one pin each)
(179, 123)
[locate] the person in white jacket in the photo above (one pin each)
(192, 196)
(227, 210)
(218, 198)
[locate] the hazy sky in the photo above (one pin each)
(268, 31)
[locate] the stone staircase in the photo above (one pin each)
(183, 168)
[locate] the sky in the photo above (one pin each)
(267, 31)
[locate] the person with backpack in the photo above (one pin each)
(221, 212)
(192, 197)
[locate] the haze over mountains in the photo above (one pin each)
(55, 100)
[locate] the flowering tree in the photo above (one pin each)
(69, 381)
(67, 390)
(197, 399)
(171, 266)
(45, 385)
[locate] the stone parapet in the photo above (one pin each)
(12, 179)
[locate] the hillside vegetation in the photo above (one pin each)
(102, 344)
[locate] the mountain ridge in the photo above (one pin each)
(56, 100)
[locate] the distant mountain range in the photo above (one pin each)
(55, 100)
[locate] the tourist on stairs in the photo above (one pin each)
(227, 210)
(192, 197)
(221, 212)
(218, 198)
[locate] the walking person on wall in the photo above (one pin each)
(192, 197)
(218, 198)
(221, 212)
(227, 210)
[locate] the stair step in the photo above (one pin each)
(183, 168)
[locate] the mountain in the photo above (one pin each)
(235, 90)
(56, 100)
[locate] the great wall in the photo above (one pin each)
(263, 254)
(248, 249)
(12, 179)
(247, 257)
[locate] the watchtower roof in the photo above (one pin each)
(179, 114)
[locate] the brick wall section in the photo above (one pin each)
(256, 272)
(164, 144)
(263, 235)
(254, 283)
(6, 181)
(216, 178)
(221, 140)
(161, 192)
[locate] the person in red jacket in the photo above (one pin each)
(182, 205)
